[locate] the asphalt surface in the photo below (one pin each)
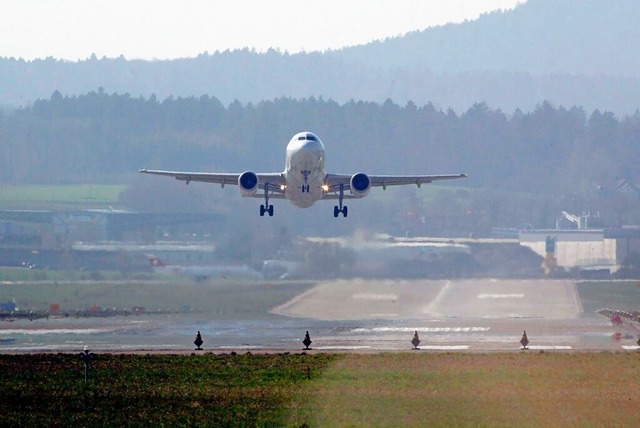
(480, 314)
(357, 316)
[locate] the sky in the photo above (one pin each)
(157, 29)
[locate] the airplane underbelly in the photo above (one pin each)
(303, 195)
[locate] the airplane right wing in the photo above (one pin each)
(273, 179)
(276, 178)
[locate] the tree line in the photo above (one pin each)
(557, 156)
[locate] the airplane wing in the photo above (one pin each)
(335, 180)
(273, 179)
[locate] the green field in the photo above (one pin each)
(402, 389)
(152, 390)
(220, 299)
(59, 197)
(596, 295)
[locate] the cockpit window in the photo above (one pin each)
(301, 138)
(311, 137)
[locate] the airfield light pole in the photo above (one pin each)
(416, 340)
(524, 341)
(307, 341)
(86, 357)
(198, 342)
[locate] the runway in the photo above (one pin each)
(480, 315)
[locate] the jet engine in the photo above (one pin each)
(248, 183)
(360, 184)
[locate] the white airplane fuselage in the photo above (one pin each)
(304, 170)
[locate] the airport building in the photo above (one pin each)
(93, 239)
(587, 250)
(96, 238)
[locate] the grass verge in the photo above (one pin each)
(402, 389)
(55, 197)
(224, 299)
(420, 389)
(153, 390)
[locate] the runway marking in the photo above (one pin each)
(373, 296)
(550, 347)
(38, 331)
(421, 329)
(435, 303)
(631, 348)
(500, 296)
(329, 348)
(444, 347)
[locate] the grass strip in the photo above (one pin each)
(456, 389)
(54, 197)
(154, 390)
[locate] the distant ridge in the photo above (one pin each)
(540, 36)
(566, 52)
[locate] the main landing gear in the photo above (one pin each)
(266, 208)
(339, 208)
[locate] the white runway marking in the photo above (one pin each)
(421, 329)
(443, 348)
(337, 348)
(631, 348)
(435, 303)
(549, 348)
(57, 331)
(500, 296)
(373, 296)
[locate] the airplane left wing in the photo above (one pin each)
(334, 180)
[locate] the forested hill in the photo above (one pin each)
(100, 137)
(540, 37)
(567, 52)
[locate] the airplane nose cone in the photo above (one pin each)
(310, 144)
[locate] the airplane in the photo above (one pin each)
(304, 180)
(621, 316)
(202, 273)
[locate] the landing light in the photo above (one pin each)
(282, 187)
(325, 187)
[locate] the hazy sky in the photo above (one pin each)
(74, 29)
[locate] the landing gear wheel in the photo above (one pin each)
(337, 211)
(268, 209)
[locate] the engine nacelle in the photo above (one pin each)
(360, 185)
(248, 183)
